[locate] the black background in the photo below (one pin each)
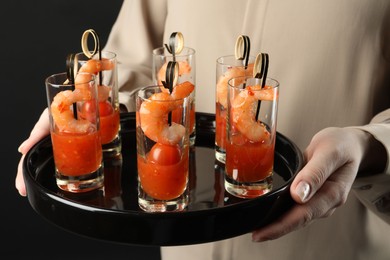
(36, 37)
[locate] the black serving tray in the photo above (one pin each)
(112, 213)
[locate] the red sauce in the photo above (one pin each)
(77, 154)
(247, 161)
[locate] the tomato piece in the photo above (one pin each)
(165, 154)
(238, 139)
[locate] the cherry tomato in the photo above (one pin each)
(165, 154)
(88, 107)
(88, 110)
(105, 108)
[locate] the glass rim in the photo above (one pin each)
(218, 60)
(112, 55)
(276, 85)
(65, 75)
(192, 52)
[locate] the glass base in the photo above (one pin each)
(149, 204)
(113, 148)
(220, 154)
(81, 183)
(248, 190)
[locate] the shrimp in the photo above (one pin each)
(154, 115)
(94, 67)
(184, 68)
(60, 108)
(63, 115)
(222, 84)
(244, 111)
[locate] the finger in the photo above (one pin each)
(19, 181)
(321, 205)
(40, 130)
(284, 225)
(332, 194)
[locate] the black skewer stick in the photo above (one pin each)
(170, 81)
(96, 37)
(262, 74)
(171, 46)
(247, 49)
(266, 64)
(71, 77)
(170, 74)
(243, 43)
(171, 49)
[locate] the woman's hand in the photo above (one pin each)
(333, 157)
(40, 130)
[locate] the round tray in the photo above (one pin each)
(113, 214)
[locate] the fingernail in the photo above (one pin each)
(303, 190)
(257, 238)
(20, 147)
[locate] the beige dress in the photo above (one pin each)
(332, 59)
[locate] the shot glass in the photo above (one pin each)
(162, 150)
(105, 69)
(75, 133)
(187, 73)
(227, 67)
(251, 135)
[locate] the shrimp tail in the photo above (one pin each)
(183, 90)
(172, 134)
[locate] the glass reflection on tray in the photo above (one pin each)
(206, 183)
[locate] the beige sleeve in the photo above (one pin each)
(374, 191)
(137, 31)
(379, 127)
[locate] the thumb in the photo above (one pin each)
(40, 130)
(312, 176)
